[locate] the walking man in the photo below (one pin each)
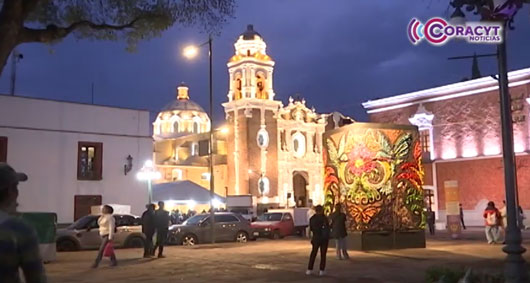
(320, 237)
(492, 219)
(18, 241)
(162, 220)
(462, 216)
(148, 228)
(338, 231)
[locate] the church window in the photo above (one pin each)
(299, 144)
(264, 185)
(261, 87)
(282, 140)
(237, 94)
(263, 138)
(196, 127)
(425, 140)
(176, 127)
(248, 52)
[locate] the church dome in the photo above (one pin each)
(183, 104)
(250, 44)
(181, 117)
(250, 33)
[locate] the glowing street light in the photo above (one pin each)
(190, 52)
(224, 130)
(148, 173)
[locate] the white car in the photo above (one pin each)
(84, 233)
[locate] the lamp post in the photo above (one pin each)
(504, 11)
(191, 52)
(148, 173)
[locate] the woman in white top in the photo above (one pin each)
(107, 226)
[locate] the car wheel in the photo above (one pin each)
(66, 246)
(241, 237)
(276, 235)
(135, 242)
(189, 240)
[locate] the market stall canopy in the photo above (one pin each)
(182, 191)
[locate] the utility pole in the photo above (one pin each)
(15, 58)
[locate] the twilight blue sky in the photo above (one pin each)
(335, 53)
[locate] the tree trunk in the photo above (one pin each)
(11, 23)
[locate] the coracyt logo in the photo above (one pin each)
(438, 31)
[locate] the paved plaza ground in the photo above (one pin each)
(280, 261)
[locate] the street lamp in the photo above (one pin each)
(190, 52)
(504, 11)
(148, 173)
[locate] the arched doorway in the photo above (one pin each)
(300, 189)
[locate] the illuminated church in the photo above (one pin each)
(265, 149)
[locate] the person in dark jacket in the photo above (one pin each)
(431, 219)
(162, 220)
(148, 228)
(319, 226)
(338, 231)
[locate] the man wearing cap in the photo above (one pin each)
(18, 241)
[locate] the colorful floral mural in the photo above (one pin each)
(376, 174)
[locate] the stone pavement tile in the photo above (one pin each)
(274, 261)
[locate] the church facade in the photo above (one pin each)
(265, 149)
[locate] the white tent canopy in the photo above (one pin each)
(183, 192)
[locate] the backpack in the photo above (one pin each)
(491, 218)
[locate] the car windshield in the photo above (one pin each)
(82, 222)
(195, 219)
(270, 217)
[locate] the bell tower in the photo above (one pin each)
(250, 68)
(251, 112)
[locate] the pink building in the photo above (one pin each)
(461, 137)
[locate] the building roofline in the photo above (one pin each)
(476, 84)
(74, 102)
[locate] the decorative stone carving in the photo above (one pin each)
(422, 119)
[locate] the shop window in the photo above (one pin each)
(89, 161)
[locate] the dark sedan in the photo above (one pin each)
(229, 227)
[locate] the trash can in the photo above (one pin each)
(45, 224)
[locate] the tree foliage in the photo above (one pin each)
(50, 21)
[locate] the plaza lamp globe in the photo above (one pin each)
(190, 52)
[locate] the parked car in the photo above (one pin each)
(84, 233)
(274, 225)
(197, 230)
